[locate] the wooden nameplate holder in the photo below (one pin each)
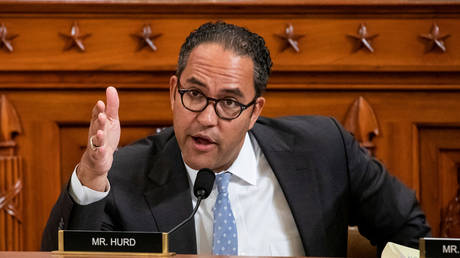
(82, 242)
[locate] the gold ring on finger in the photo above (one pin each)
(91, 144)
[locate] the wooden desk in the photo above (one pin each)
(51, 255)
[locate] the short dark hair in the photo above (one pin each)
(238, 39)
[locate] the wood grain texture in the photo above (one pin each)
(409, 90)
(439, 159)
(325, 46)
(449, 166)
(11, 179)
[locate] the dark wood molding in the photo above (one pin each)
(11, 179)
(302, 7)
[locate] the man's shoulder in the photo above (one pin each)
(150, 144)
(302, 124)
(314, 131)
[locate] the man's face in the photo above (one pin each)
(205, 140)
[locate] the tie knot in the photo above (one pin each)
(222, 181)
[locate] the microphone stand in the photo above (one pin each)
(199, 198)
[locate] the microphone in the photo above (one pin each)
(201, 189)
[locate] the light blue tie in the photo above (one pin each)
(225, 236)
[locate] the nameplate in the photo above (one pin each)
(431, 247)
(113, 241)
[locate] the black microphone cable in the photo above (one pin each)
(202, 189)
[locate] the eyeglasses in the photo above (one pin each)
(225, 108)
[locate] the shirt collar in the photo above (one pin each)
(244, 166)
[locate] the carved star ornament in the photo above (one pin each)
(5, 39)
(75, 38)
(434, 39)
(290, 38)
(363, 38)
(146, 38)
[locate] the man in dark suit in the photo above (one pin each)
(295, 185)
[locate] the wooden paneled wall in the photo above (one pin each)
(410, 86)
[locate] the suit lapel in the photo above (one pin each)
(295, 172)
(169, 198)
(168, 195)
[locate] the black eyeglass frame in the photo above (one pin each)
(208, 99)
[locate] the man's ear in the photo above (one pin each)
(258, 106)
(172, 90)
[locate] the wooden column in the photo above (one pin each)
(11, 180)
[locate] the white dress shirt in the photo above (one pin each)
(263, 218)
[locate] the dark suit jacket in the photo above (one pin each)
(328, 180)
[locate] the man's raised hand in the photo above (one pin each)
(103, 138)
